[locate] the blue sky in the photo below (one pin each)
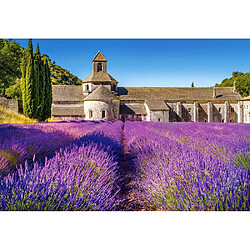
(152, 62)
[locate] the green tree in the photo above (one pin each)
(47, 91)
(29, 84)
(10, 58)
(242, 82)
(14, 91)
(192, 84)
(40, 82)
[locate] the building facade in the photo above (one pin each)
(246, 108)
(100, 98)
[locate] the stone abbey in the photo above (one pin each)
(100, 98)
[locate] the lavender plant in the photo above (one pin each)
(175, 174)
(83, 176)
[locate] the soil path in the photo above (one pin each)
(130, 202)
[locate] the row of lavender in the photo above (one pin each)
(20, 142)
(82, 176)
(189, 166)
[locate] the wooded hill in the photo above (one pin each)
(11, 54)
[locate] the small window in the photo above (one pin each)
(231, 120)
(86, 87)
(159, 119)
(205, 120)
(99, 67)
(232, 109)
(189, 110)
(222, 120)
(103, 114)
(219, 109)
(90, 113)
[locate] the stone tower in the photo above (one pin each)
(99, 76)
(100, 91)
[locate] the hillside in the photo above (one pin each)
(8, 116)
(11, 87)
(61, 76)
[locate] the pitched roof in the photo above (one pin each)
(133, 109)
(68, 110)
(67, 93)
(156, 105)
(100, 77)
(177, 93)
(101, 93)
(100, 57)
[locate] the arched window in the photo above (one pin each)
(86, 87)
(103, 114)
(219, 109)
(90, 113)
(99, 67)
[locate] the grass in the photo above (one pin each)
(8, 116)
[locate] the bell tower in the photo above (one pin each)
(99, 63)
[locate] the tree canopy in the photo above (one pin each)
(10, 59)
(11, 54)
(242, 83)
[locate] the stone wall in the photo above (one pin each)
(11, 104)
(111, 109)
(159, 115)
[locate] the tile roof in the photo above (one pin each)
(133, 109)
(100, 77)
(156, 105)
(67, 110)
(177, 93)
(101, 93)
(100, 57)
(64, 93)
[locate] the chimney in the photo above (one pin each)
(234, 89)
(214, 92)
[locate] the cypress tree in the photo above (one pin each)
(40, 83)
(47, 92)
(31, 99)
(23, 80)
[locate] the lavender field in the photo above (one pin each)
(106, 166)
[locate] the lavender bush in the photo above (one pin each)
(19, 143)
(176, 174)
(83, 176)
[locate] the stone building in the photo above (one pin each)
(99, 98)
(246, 108)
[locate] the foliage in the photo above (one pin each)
(10, 59)
(40, 83)
(11, 54)
(242, 83)
(46, 113)
(61, 76)
(36, 85)
(14, 91)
